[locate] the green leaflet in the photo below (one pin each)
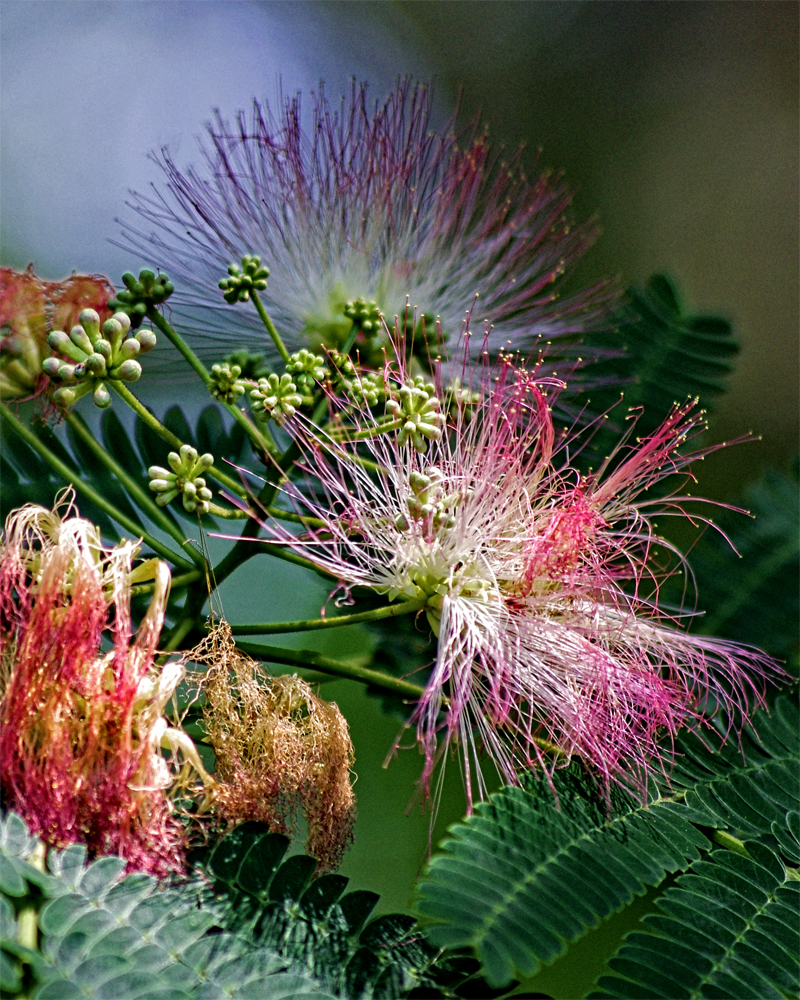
(524, 877)
(659, 356)
(729, 928)
(250, 924)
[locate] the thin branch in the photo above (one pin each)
(314, 624)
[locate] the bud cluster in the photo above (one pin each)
(306, 369)
(142, 293)
(418, 407)
(225, 383)
(250, 277)
(94, 358)
(365, 315)
(276, 397)
(428, 504)
(184, 479)
(358, 387)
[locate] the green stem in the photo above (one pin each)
(155, 424)
(63, 470)
(145, 501)
(310, 658)
(192, 607)
(406, 608)
(178, 582)
(177, 341)
(285, 515)
(262, 440)
(144, 414)
(28, 919)
(351, 338)
(262, 312)
(366, 434)
(245, 548)
(226, 512)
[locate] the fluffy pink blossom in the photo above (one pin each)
(541, 583)
(29, 309)
(81, 729)
(371, 202)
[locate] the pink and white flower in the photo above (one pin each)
(365, 202)
(82, 728)
(541, 583)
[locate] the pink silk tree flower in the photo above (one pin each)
(81, 729)
(372, 203)
(541, 583)
(30, 309)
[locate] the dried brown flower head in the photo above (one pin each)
(279, 749)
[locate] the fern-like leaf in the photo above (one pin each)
(525, 876)
(27, 478)
(250, 924)
(660, 356)
(522, 878)
(728, 928)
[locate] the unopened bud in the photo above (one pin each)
(129, 371)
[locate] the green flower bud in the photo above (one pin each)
(241, 281)
(184, 479)
(90, 321)
(96, 358)
(64, 396)
(147, 340)
(59, 341)
(80, 339)
(128, 371)
(95, 364)
(52, 366)
(102, 397)
(103, 348)
(129, 349)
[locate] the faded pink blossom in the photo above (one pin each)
(366, 201)
(81, 729)
(30, 308)
(541, 583)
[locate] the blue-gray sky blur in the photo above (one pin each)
(676, 122)
(88, 88)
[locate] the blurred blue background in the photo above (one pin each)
(675, 122)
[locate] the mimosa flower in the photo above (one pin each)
(29, 309)
(81, 730)
(368, 204)
(541, 584)
(280, 749)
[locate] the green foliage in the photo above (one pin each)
(748, 577)
(528, 874)
(657, 356)
(729, 928)
(27, 478)
(247, 923)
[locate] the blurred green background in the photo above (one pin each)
(676, 123)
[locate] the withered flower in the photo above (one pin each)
(280, 749)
